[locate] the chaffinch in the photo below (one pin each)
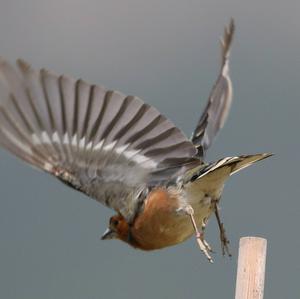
(122, 152)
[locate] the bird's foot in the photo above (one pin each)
(204, 246)
(224, 241)
(223, 238)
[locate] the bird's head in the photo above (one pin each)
(118, 229)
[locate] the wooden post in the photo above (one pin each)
(251, 268)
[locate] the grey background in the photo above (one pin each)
(167, 53)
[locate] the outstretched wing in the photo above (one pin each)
(101, 142)
(219, 102)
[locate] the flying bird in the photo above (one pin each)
(122, 152)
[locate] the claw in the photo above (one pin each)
(204, 249)
(208, 247)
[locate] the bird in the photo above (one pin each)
(123, 152)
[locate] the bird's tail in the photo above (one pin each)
(242, 162)
(235, 164)
(223, 168)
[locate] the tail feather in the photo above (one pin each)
(245, 161)
(225, 167)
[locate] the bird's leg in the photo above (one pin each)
(204, 246)
(223, 237)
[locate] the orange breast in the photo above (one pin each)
(159, 225)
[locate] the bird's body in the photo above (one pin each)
(121, 151)
(162, 221)
(162, 224)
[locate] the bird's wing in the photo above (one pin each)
(219, 102)
(101, 142)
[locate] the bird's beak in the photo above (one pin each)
(109, 234)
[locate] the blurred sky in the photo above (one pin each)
(166, 52)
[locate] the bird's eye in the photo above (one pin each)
(115, 222)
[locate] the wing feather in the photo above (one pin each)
(101, 142)
(219, 102)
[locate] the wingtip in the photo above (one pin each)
(230, 28)
(226, 40)
(231, 25)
